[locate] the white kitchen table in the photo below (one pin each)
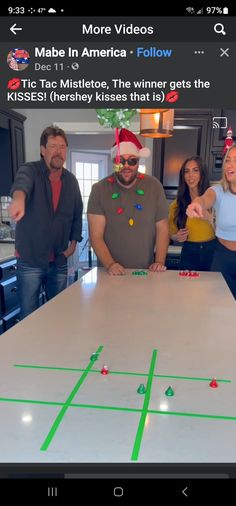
(157, 330)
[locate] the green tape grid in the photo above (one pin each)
(117, 408)
(66, 405)
(143, 412)
(139, 434)
(119, 372)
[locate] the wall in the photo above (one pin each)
(74, 122)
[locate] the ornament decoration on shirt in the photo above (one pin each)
(117, 167)
(120, 210)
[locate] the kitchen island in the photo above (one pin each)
(156, 330)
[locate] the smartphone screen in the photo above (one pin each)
(161, 417)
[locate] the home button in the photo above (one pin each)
(118, 492)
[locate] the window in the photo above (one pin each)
(88, 169)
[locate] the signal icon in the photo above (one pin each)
(190, 10)
(200, 11)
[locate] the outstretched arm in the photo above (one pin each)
(200, 204)
(17, 206)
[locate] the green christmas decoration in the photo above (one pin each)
(141, 389)
(139, 273)
(169, 392)
(115, 118)
(94, 357)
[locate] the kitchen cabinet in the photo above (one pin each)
(11, 319)
(196, 132)
(218, 138)
(228, 119)
(9, 303)
(12, 147)
(173, 257)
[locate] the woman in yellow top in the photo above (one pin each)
(197, 235)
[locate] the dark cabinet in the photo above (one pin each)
(173, 261)
(8, 294)
(221, 118)
(1, 327)
(7, 270)
(11, 319)
(9, 303)
(12, 147)
(192, 136)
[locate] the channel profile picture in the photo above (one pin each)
(18, 59)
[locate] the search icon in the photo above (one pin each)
(219, 28)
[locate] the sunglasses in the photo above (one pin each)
(130, 161)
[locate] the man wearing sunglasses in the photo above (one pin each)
(127, 213)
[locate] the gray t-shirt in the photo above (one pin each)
(132, 245)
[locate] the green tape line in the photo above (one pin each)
(69, 399)
(31, 401)
(72, 369)
(117, 408)
(139, 434)
(193, 415)
(189, 378)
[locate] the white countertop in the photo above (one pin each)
(174, 249)
(157, 330)
(6, 251)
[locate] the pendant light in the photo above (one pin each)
(156, 123)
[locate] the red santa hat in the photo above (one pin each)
(129, 145)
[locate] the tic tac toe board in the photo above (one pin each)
(157, 330)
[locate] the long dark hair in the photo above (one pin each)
(183, 195)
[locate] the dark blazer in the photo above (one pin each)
(42, 231)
